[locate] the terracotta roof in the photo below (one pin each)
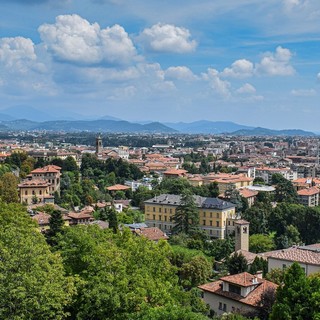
(304, 254)
(41, 218)
(241, 221)
(118, 187)
(175, 172)
(80, 215)
(252, 299)
(246, 193)
(50, 168)
(152, 233)
(308, 192)
(243, 279)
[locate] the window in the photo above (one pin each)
(218, 215)
(220, 305)
(204, 222)
(204, 214)
(224, 307)
(234, 289)
(160, 217)
(217, 222)
(229, 223)
(26, 192)
(159, 209)
(210, 214)
(33, 192)
(165, 218)
(284, 266)
(154, 217)
(211, 223)
(154, 209)
(165, 210)
(170, 210)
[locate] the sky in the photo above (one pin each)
(252, 62)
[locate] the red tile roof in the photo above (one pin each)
(49, 168)
(33, 183)
(308, 192)
(152, 233)
(252, 299)
(118, 187)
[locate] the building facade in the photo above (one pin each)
(216, 217)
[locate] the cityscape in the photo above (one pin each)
(159, 160)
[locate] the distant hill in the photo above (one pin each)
(101, 126)
(269, 132)
(207, 127)
(27, 112)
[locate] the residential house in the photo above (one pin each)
(239, 293)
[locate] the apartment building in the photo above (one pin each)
(217, 217)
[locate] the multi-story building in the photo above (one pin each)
(309, 197)
(34, 191)
(216, 217)
(50, 174)
(266, 173)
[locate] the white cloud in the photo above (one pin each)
(276, 64)
(303, 92)
(180, 73)
(239, 69)
(290, 4)
(17, 53)
(247, 88)
(221, 87)
(167, 38)
(318, 76)
(74, 39)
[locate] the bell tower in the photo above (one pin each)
(242, 235)
(98, 144)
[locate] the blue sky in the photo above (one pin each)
(249, 61)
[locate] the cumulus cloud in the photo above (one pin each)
(180, 73)
(247, 88)
(167, 38)
(276, 64)
(239, 69)
(220, 86)
(74, 39)
(303, 92)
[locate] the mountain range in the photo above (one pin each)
(26, 118)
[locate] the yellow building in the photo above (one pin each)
(34, 191)
(216, 216)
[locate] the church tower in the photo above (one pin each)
(98, 144)
(242, 235)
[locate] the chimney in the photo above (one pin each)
(259, 274)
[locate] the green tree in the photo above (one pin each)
(33, 284)
(293, 297)
(261, 243)
(9, 188)
(237, 263)
(56, 224)
(285, 192)
(195, 272)
(112, 219)
(186, 217)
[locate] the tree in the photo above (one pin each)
(233, 195)
(261, 243)
(293, 297)
(195, 272)
(120, 275)
(56, 224)
(285, 192)
(186, 217)
(237, 263)
(9, 188)
(33, 284)
(112, 219)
